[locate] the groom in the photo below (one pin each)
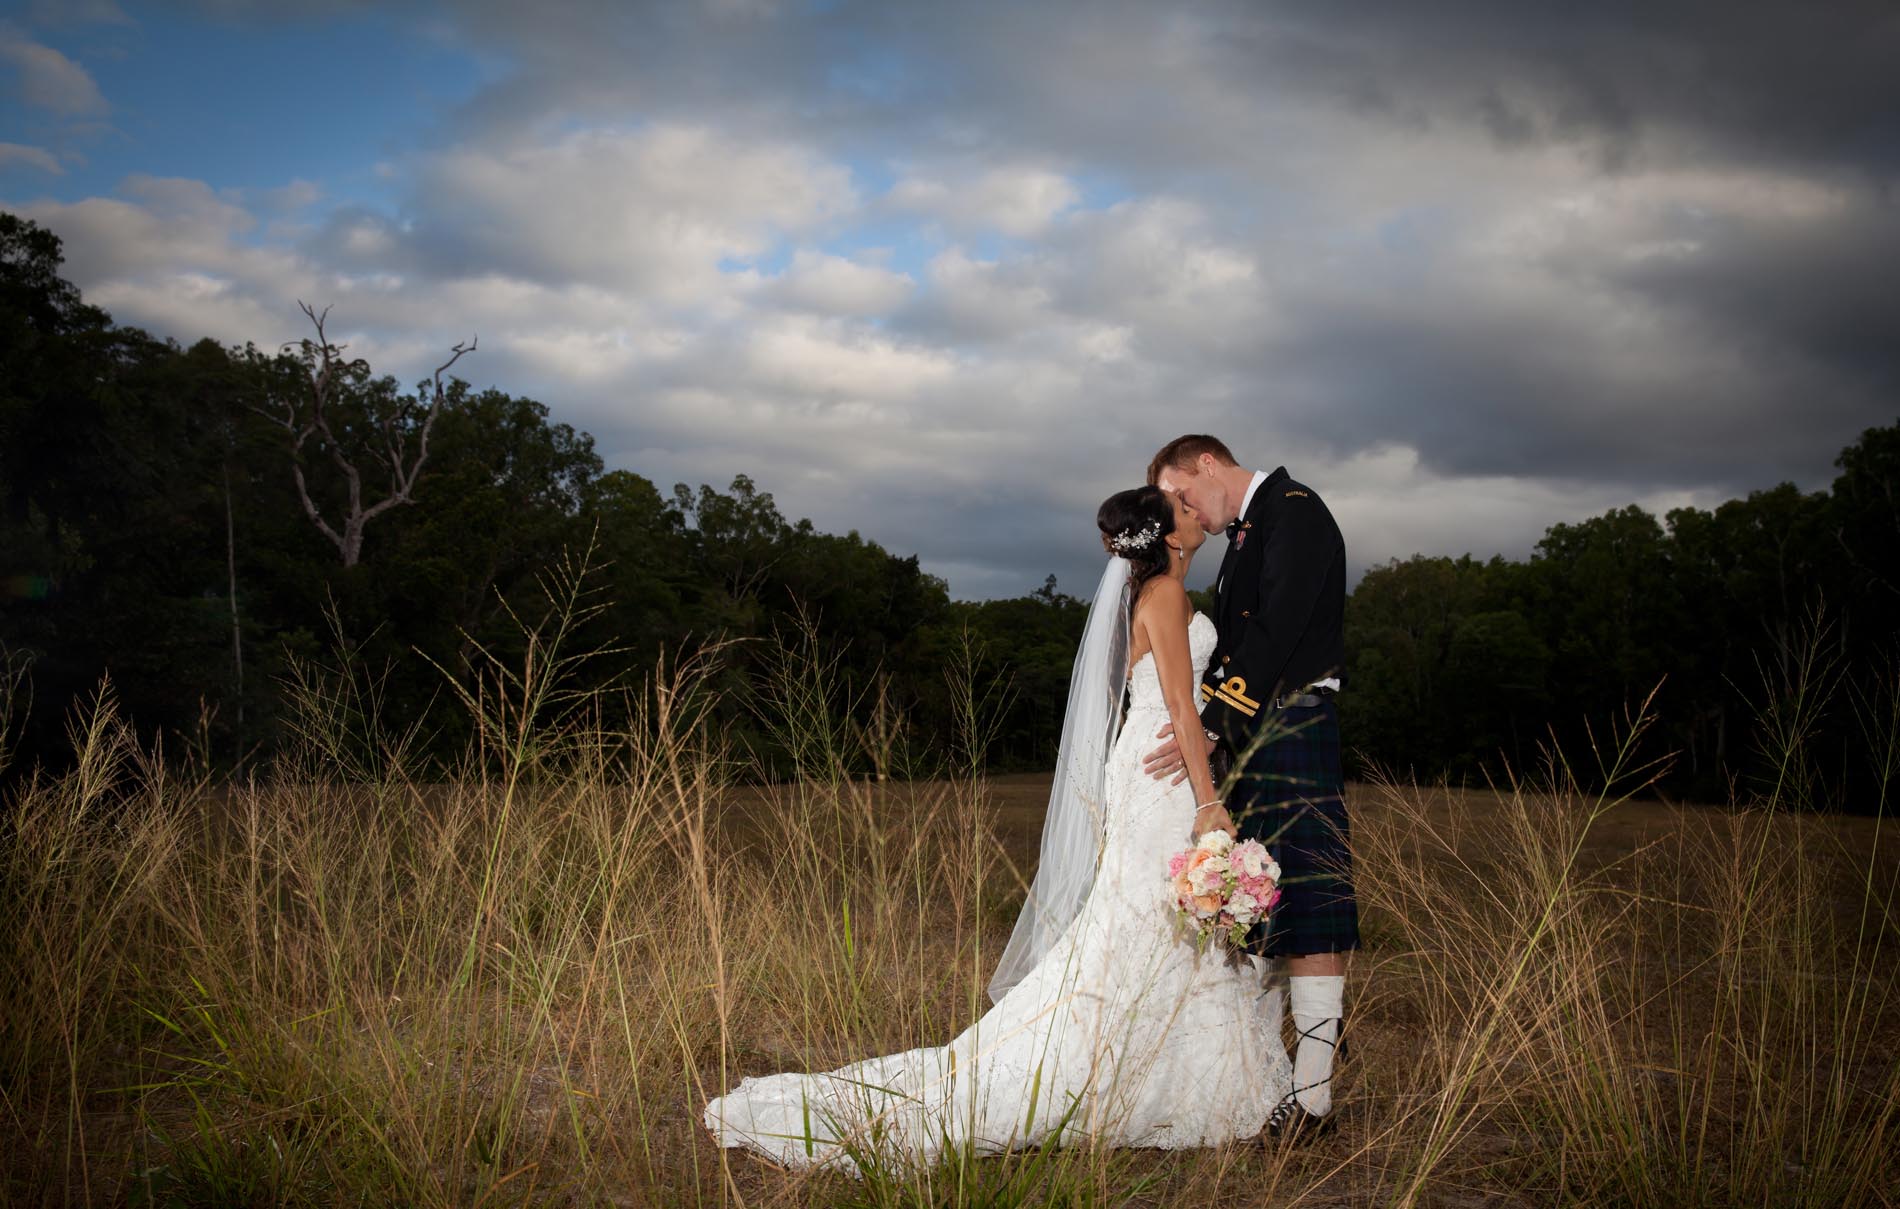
(1267, 698)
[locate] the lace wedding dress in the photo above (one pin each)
(1121, 1034)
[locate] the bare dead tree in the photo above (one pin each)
(308, 415)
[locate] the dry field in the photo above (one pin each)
(337, 985)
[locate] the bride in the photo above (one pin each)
(1106, 1026)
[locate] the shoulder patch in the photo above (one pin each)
(1289, 495)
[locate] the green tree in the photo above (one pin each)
(1609, 608)
(1402, 620)
(1864, 520)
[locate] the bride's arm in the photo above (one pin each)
(1165, 612)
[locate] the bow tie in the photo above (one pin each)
(1233, 527)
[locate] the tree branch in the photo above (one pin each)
(384, 437)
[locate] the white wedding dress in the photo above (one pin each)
(1122, 1034)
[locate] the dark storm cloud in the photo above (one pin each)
(1820, 292)
(1807, 84)
(1131, 83)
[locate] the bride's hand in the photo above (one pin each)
(1213, 818)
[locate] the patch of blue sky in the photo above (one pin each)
(902, 245)
(254, 105)
(1099, 190)
(871, 175)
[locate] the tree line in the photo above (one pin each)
(211, 526)
(1764, 628)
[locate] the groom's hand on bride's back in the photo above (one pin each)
(1166, 759)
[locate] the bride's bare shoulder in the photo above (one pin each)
(1163, 600)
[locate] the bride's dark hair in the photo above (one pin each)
(1133, 522)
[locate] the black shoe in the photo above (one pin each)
(1290, 1122)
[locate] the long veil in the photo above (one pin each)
(1072, 829)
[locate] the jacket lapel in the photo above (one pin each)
(1220, 577)
(1256, 509)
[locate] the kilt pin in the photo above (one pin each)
(1279, 610)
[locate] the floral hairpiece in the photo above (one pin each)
(1138, 540)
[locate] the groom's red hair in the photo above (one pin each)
(1183, 452)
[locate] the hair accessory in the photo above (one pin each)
(1138, 540)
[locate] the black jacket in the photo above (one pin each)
(1280, 607)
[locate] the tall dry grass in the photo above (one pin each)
(333, 982)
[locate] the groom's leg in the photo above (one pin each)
(1297, 793)
(1317, 990)
(1328, 926)
(1322, 965)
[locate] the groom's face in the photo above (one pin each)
(1202, 493)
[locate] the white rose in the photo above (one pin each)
(1217, 842)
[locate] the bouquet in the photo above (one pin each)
(1222, 889)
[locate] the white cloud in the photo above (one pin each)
(982, 300)
(655, 208)
(32, 157)
(834, 363)
(837, 285)
(49, 80)
(1020, 202)
(160, 226)
(1160, 267)
(296, 195)
(1583, 220)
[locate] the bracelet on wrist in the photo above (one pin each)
(1205, 805)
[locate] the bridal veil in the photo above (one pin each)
(1072, 829)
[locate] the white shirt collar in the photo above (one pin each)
(1246, 501)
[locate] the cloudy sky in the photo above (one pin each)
(948, 273)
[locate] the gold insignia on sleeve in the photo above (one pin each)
(1289, 495)
(1233, 693)
(1207, 692)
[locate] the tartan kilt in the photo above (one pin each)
(1291, 797)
